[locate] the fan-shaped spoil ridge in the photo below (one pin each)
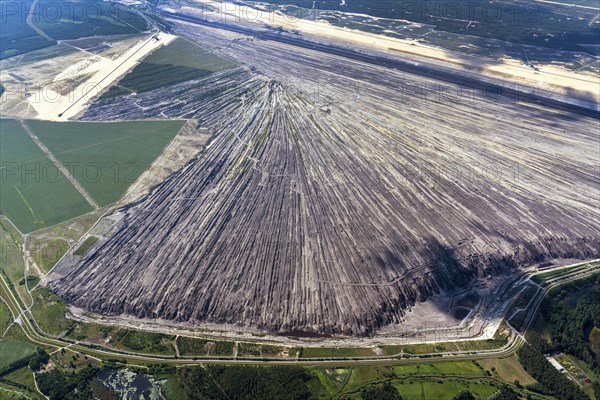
(337, 220)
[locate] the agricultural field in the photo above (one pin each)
(444, 389)
(12, 350)
(261, 350)
(33, 192)
(507, 369)
(178, 62)
(440, 368)
(106, 158)
(435, 380)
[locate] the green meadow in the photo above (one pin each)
(106, 157)
(180, 61)
(33, 192)
(13, 350)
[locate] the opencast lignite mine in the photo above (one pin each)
(337, 192)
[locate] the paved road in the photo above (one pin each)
(36, 335)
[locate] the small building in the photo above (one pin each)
(555, 363)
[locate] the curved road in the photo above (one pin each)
(27, 322)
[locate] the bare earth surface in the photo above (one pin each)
(335, 195)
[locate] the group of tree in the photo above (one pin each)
(34, 361)
(246, 382)
(58, 385)
(505, 393)
(380, 392)
(464, 395)
(550, 380)
(570, 326)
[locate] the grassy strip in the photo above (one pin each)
(85, 246)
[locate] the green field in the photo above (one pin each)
(22, 376)
(443, 390)
(201, 347)
(324, 352)
(434, 380)
(5, 318)
(178, 62)
(261, 350)
(184, 53)
(507, 369)
(106, 157)
(33, 192)
(13, 350)
(10, 252)
(48, 253)
(445, 347)
(49, 312)
(143, 342)
(85, 246)
(440, 368)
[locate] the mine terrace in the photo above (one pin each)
(329, 201)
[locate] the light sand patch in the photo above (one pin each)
(189, 141)
(21, 76)
(546, 77)
(102, 73)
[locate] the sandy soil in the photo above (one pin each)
(189, 141)
(548, 77)
(98, 73)
(59, 67)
